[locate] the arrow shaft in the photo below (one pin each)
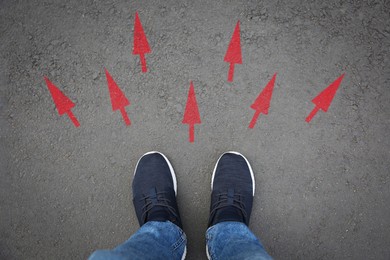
(73, 118)
(143, 62)
(312, 114)
(231, 72)
(192, 133)
(125, 116)
(254, 119)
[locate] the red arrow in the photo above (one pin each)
(62, 102)
(141, 45)
(191, 113)
(263, 101)
(118, 99)
(233, 53)
(324, 99)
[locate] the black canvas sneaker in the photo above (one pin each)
(155, 189)
(233, 188)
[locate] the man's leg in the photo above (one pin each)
(154, 240)
(154, 197)
(233, 188)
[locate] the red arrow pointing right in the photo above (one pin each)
(263, 101)
(324, 99)
(233, 53)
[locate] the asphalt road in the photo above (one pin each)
(322, 188)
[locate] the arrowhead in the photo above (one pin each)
(141, 44)
(191, 113)
(263, 100)
(62, 102)
(233, 53)
(324, 99)
(118, 99)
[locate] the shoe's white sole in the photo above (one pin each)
(247, 162)
(184, 254)
(169, 165)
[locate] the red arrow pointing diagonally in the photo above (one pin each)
(141, 45)
(233, 53)
(324, 99)
(263, 101)
(118, 99)
(62, 102)
(191, 113)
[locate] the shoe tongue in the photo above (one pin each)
(230, 212)
(156, 213)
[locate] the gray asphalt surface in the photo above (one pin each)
(322, 189)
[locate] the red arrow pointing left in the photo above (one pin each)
(118, 99)
(263, 101)
(141, 45)
(191, 113)
(62, 102)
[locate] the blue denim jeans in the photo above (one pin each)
(233, 240)
(165, 240)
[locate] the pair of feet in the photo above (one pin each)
(155, 190)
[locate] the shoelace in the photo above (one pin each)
(229, 199)
(156, 199)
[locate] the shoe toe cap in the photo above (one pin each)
(152, 170)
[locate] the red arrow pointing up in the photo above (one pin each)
(263, 101)
(118, 99)
(141, 45)
(62, 102)
(191, 113)
(233, 53)
(324, 99)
